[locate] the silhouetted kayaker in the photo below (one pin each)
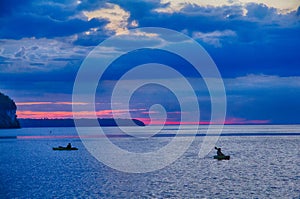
(219, 152)
(69, 146)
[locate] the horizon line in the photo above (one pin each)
(170, 123)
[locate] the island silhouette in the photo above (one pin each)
(8, 109)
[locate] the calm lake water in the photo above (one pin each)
(265, 163)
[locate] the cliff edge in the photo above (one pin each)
(8, 117)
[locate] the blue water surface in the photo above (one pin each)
(261, 166)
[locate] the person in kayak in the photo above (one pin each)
(219, 152)
(69, 146)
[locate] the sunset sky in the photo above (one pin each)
(254, 43)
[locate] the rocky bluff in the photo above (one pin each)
(8, 117)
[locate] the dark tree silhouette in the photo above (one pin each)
(8, 117)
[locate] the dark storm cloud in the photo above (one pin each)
(43, 19)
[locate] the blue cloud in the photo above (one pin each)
(9, 7)
(259, 11)
(30, 25)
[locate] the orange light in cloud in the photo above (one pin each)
(32, 103)
(47, 103)
(60, 114)
(26, 114)
(71, 103)
(42, 114)
(147, 121)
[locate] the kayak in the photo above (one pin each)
(60, 148)
(222, 157)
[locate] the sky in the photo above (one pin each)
(254, 44)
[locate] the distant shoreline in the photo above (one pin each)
(29, 123)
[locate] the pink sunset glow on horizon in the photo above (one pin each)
(227, 122)
(27, 114)
(38, 110)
